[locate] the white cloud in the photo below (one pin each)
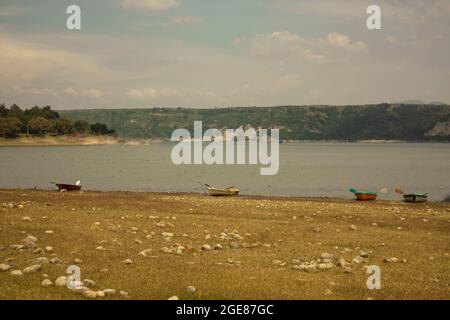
(343, 41)
(279, 43)
(150, 5)
(151, 93)
(287, 45)
(26, 62)
(183, 20)
(92, 93)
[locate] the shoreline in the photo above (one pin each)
(240, 196)
(48, 141)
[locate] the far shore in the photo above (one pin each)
(70, 141)
(42, 141)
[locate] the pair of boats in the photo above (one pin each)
(407, 197)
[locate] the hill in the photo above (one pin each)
(366, 122)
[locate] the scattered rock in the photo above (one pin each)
(358, 259)
(55, 260)
(127, 261)
(28, 219)
(50, 232)
(89, 282)
(218, 247)
(352, 227)
(206, 247)
(46, 283)
(109, 292)
(4, 267)
(32, 269)
(146, 253)
(173, 298)
(90, 294)
(391, 260)
(16, 273)
(61, 281)
(191, 289)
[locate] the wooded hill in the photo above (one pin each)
(367, 122)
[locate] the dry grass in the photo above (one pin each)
(73, 217)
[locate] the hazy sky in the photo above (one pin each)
(203, 53)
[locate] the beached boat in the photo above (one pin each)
(231, 191)
(364, 195)
(413, 197)
(68, 187)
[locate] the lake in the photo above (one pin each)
(306, 169)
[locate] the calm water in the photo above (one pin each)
(306, 169)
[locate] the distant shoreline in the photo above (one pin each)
(47, 141)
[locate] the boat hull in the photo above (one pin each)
(68, 187)
(222, 192)
(415, 198)
(365, 196)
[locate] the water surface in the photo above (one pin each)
(306, 169)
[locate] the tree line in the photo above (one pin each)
(15, 121)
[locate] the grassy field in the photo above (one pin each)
(150, 246)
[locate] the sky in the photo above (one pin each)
(215, 53)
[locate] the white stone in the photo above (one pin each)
(206, 247)
(32, 269)
(90, 294)
(16, 273)
(191, 289)
(109, 292)
(4, 267)
(46, 283)
(61, 281)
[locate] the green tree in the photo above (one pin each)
(63, 126)
(3, 111)
(40, 125)
(81, 127)
(99, 128)
(10, 127)
(15, 112)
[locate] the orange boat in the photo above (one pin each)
(364, 195)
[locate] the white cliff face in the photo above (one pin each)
(441, 129)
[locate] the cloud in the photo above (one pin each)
(13, 11)
(287, 45)
(27, 62)
(183, 20)
(279, 43)
(150, 5)
(90, 93)
(151, 93)
(343, 41)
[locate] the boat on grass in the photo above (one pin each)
(364, 195)
(413, 197)
(216, 192)
(63, 187)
